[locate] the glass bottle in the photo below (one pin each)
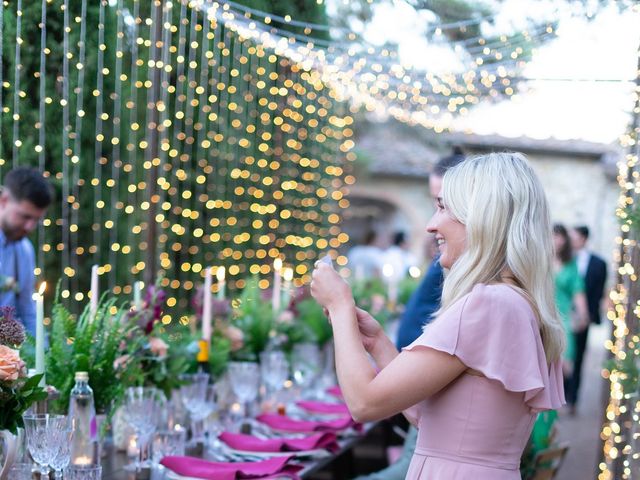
(82, 415)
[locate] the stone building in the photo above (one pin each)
(394, 162)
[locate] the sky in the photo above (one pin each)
(581, 82)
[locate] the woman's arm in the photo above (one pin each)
(582, 311)
(407, 379)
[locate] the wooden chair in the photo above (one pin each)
(547, 462)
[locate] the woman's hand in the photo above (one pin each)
(370, 329)
(329, 289)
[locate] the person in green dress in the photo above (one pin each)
(570, 297)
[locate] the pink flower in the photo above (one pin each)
(286, 317)
(11, 366)
(158, 347)
(236, 336)
(121, 361)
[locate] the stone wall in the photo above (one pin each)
(578, 190)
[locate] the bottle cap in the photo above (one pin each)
(82, 376)
(203, 353)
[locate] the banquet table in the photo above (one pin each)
(113, 461)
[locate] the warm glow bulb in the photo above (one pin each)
(277, 264)
(288, 274)
(220, 274)
(387, 270)
(414, 272)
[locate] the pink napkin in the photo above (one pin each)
(196, 467)
(324, 407)
(281, 422)
(335, 391)
(250, 443)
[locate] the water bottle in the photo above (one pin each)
(82, 415)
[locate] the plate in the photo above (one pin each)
(318, 452)
(171, 475)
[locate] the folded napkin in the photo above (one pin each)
(335, 391)
(324, 407)
(250, 443)
(275, 467)
(281, 422)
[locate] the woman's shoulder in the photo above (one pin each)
(499, 299)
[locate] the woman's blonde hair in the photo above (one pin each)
(502, 204)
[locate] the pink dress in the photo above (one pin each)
(477, 427)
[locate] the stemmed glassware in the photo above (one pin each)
(305, 364)
(143, 406)
(43, 437)
(63, 456)
(194, 397)
(275, 369)
(245, 382)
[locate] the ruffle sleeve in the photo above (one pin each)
(494, 330)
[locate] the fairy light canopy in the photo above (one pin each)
(182, 135)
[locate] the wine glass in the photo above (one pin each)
(194, 397)
(275, 370)
(142, 408)
(43, 438)
(63, 455)
(305, 364)
(245, 381)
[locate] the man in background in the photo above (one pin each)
(593, 270)
(24, 199)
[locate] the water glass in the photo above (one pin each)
(43, 437)
(245, 382)
(275, 369)
(63, 456)
(83, 472)
(194, 396)
(305, 364)
(168, 443)
(143, 406)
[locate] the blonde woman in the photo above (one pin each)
(492, 359)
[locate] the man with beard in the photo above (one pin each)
(24, 199)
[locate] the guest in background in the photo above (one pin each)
(570, 299)
(25, 196)
(365, 261)
(399, 257)
(593, 271)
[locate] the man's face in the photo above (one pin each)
(18, 218)
(435, 185)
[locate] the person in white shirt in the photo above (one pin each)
(365, 261)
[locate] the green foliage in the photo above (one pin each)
(371, 295)
(90, 344)
(15, 398)
(406, 288)
(310, 313)
(254, 316)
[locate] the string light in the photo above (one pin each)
(620, 431)
(238, 139)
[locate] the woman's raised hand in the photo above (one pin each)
(329, 289)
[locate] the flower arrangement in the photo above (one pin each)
(310, 314)
(253, 315)
(17, 391)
